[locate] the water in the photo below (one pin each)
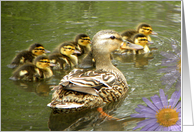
(23, 104)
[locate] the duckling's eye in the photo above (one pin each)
(45, 61)
(112, 37)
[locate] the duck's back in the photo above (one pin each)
(88, 89)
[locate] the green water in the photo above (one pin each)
(23, 105)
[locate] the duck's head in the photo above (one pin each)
(140, 39)
(145, 29)
(38, 49)
(67, 48)
(82, 39)
(42, 62)
(106, 41)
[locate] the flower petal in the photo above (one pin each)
(153, 128)
(148, 126)
(149, 104)
(173, 98)
(178, 105)
(144, 123)
(157, 101)
(163, 98)
(144, 115)
(146, 109)
(178, 122)
(160, 128)
(165, 129)
(175, 128)
(176, 99)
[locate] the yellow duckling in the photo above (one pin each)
(29, 55)
(82, 89)
(83, 44)
(141, 39)
(38, 70)
(64, 58)
(143, 28)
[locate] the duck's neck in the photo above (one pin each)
(103, 61)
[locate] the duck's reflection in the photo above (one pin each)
(85, 120)
(139, 60)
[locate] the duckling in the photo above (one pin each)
(141, 39)
(64, 58)
(29, 55)
(84, 89)
(83, 44)
(143, 28)
(38, 70)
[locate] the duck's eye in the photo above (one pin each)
(112, 37)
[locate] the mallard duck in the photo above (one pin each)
(82, 89)
(24, 56)
(143, 28)
(38, 70)
(64, 58)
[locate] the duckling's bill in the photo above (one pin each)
(154, 33)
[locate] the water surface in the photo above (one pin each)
(23, 105)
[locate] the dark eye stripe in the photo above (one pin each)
(45, 61)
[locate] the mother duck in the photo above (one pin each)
(81, 89)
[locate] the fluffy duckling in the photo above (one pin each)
(143, 28)
(141, 39)
(29, 55)
(82, 89)
(64, 57)
(83, 44)
(38, 70)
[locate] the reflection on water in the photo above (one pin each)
(23, 104)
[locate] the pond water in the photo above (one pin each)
(24, 105)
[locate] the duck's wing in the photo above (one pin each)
(89, 82)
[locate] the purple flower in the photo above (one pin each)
(160, 115)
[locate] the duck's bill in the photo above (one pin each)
(77, 52)
(47, 51)
(52, 64)
(150, 42)
(154, 33)
(132, 46)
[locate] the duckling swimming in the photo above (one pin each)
(83, 44)
(64, 59)
(141, 39)
(82, 89)
(29, 55)
(38, 70)
(143, 28)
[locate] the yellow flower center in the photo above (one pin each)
(167, 117)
